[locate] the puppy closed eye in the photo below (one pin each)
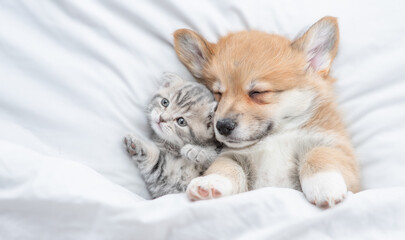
(217, 95)
(262, 97)
(256, 94)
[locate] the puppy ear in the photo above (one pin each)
(320, 44)
(170, 78)
(193, 51)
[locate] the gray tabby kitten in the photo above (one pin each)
(183, 143)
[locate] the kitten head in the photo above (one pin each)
(181, 112)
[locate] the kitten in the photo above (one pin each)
(183, 143)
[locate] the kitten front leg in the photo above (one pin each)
(144, 153)
(199, 155)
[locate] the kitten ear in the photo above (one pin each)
(193, 51)
(170, 78)
(213, 108)
(320, 44)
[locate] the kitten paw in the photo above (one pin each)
(194, 153)
(208, 187)
(134, 145)
(325, 189)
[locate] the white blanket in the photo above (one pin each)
(76, 77)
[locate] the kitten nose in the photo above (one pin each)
(165, 117)
(161, 119)
(226, 126)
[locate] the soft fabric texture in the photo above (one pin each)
(76, 77)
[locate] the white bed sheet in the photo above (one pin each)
(77, 75)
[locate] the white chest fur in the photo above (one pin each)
(275, 161)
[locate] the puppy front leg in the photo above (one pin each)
(223, 178)
(327, 174)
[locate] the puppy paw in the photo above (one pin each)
(208, 187)
(324, 189)
(134, 145)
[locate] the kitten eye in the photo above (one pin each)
(164, 102)
(181, 122)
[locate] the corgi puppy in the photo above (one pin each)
(276, 112)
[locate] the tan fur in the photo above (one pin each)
(278, 64)
(230, 169)
(325, 159)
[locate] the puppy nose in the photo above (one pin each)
(226, 126)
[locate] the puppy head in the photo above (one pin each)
(264, 83)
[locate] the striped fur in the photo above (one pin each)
(176, 153)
